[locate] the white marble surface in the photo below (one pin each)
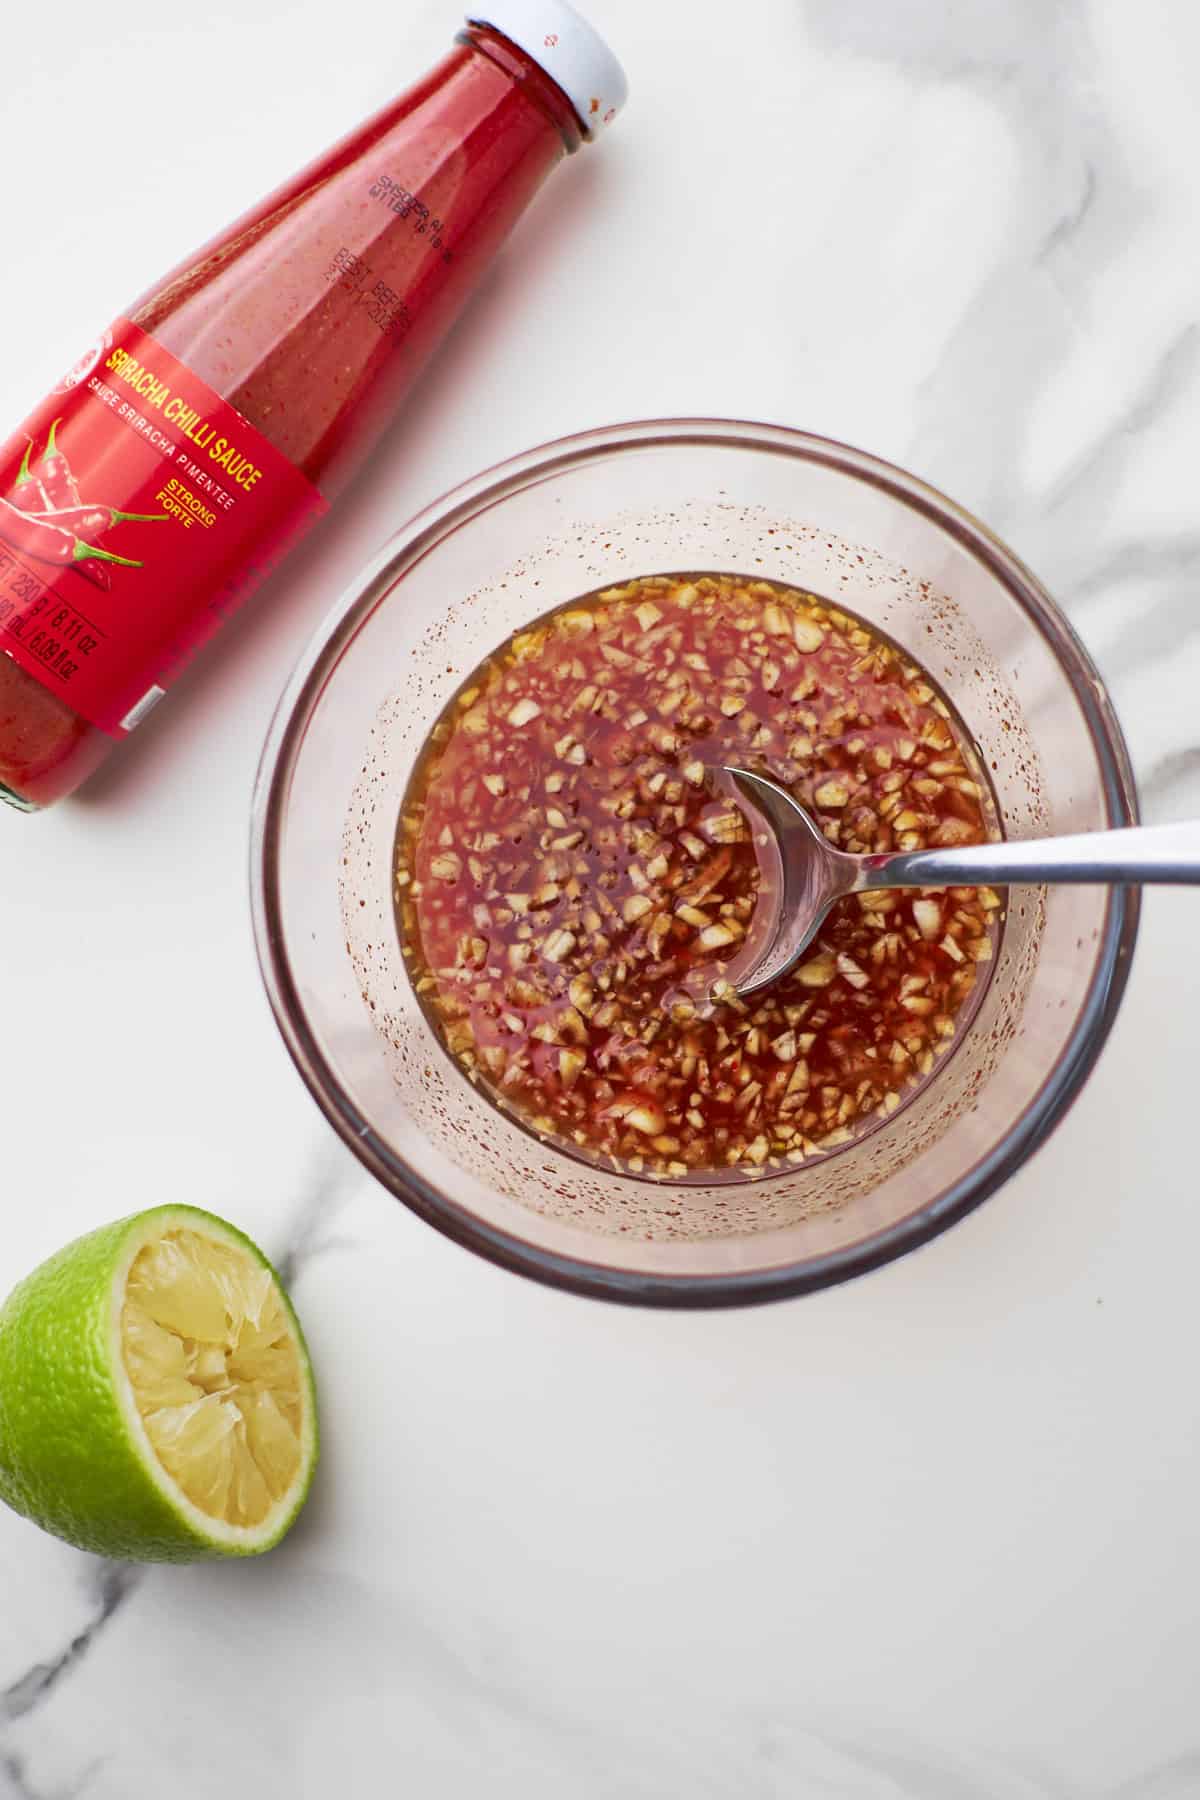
(932, 1536)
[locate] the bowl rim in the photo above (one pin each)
(508, 1249)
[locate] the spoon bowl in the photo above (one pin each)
(803, 875)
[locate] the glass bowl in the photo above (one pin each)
(582, 513)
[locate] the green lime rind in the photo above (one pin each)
(74, 1457)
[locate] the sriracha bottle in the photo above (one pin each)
(191, 446)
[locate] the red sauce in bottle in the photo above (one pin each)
(311, 317)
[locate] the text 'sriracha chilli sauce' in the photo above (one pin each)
(197, 439)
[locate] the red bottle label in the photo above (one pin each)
(137, 509)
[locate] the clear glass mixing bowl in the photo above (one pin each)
(542, 529)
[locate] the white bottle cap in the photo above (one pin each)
(571, 52)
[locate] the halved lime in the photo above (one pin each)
(156, 1398)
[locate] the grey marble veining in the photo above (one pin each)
(113, 1584)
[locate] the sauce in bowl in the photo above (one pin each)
(569, 880)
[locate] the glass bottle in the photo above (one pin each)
(188, 451)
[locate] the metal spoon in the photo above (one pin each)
(803, 875)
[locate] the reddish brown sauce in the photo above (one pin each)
(567, 876)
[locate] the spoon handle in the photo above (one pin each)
(1140, 853)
